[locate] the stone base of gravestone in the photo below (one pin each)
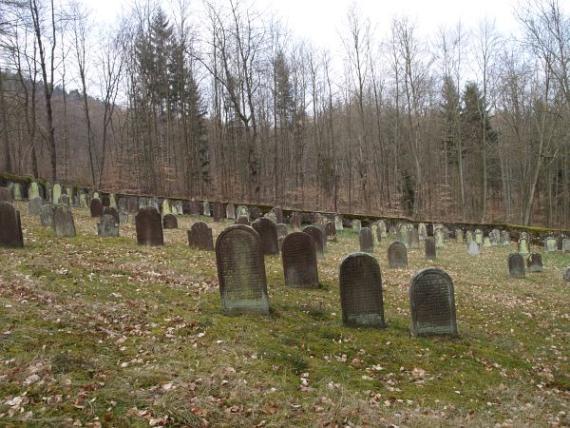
(108, 227)
(35, 206)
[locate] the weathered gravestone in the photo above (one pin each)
(255, 213)
(195, 208)
(318, 237)
(505, 237)
(242, 220)
(566, 245)
(397, 255)
(242, 210)
(413, 238)
(218, 210)
(495, 236)
(132, 204)
(469, 237)
(10, 226)
(479, 237)
(516, 265)
(83, 200)
(430, 250)
(295, 220)
(523, 246)
(382, 232)
(231, 211)
(422, 231)
(534, 263)
(149, 227)
(356, 225)
(5, 195)
(206, 209)
(361, 291)
(17, 191)
(241, 271)
(166, 207)
(33, 191)
(432, 303)
(96, 207)
(550, 244)
(108, 226)
(487, 242)
(112, 201)
(55, 193)
(338, 223)
(123, 217)
(473, 248)
(112, 211)
(35, 206)
(169, 221)
(330, 230)
(300, 261)
(267, 234)
(439, 236)
(65, 200)
(366, 240)
(63, 224)
(46, 215)
(278, 214)
(392, 231)
(200, 237)
(459, 236)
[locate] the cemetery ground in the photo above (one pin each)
(102, 332)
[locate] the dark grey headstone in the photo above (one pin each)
(200, 237)
(413, 238)
(430, 250)
(397, 255)
(35, 206)
(432, 303)
(96, 207)
(10, 226)
(5, 195)
(149, 227)
(255, 213)
(516, 266)
(242, 220)
(361, 291)
(219, 211)
(64, 199)
(241, 271)
(330, 230)
(112, 211)
(169, 221)
(300, 261)
(318, 236)
(108, 226)
(46, 215)
(267, 231)
(63, 224)
(534, 263)
(366, 240)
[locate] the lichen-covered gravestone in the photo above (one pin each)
(300, 261)
(5, 195)
(473, 248)
(432, 303)
(382, 232)
(96, 207)
(243, 220)
(516, 265)
(361, 291)
(63, 224)
(267, 231)
(550, 244)
(149, 227)
(166, 207)
(242, 210)
(55, 193)
(439, 238)
(566, 245)
(422, 231)
(366, 240)
(108, 226)
(479, 237)
(430, 250)
(241, 271)
(35, 206)
(523, 246)
(487, 242)
(505, 237)
(231, 211)
(318, 237)
(200, 237)
(534, 263)
(356, 225)
(10, 226)
(169, 221)
(397, 255)
(33, 191)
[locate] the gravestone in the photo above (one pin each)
(505, 238)
(469, 237)
(242, 210)
(169, 221)
(566, 274)
(356, 225)
(473, 249)
(413, 238)
(55, 193)
(432, 303)
(486, 242)
(382, 231)
(231, 211)
(550, 244)
(495, 236)
(516, 265)
(459, 236)
(83, 200)
(320, 240)
(397, 255)
(123, 217)
(64, 200)
(206, 209)
(254, 213)
(122, 204)
(392, 231)
(271, 216)
(108, 227)
(479, 237)
(5, 195)
(132, 204)
(149, 227)
(218, 209)
(295, 220)
(338, 223)
(96, 207)
(566, 245)
(366, 240)
(46, 215)
(300, 261)
(95, 195)
(361, 291)
(112, 201)
(422, 231)
(112, 211)
(278, 214)
(195, 208)
(430, 249)
(267, 234)
(241, 271)
(242, 220)
(33, 191)
(17, 191)
(330, 230)
(166, 207)
(35, 206)
(534, 263)
(10, 226)
(63, 224)
(439, 238)
(523, 246)
(404, 237)
(200, 237)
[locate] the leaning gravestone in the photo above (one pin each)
(56, 193)
(10, 226)
(63, 224)
(550, 244)
(432, 303)
(35, 206)
(338, 223)
(241, 271)
(516, 266)
(46, 215)
(200, 237)
(366, 240)
(397, 255)
(300, 261)
(295, 220)
(96, 207)
(108, 227)
(430, 250)
(230, 211)
(5, 195)
(169, 221)
(149, 227)
(112, 211)
(534, 263)
(361, 291)
(473, 249)
(356, 225)
(318, 237)
(267, 234)
(242, 220)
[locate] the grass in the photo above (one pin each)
(100, 331)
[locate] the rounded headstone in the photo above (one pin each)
(169, 221)
(356, 225)
(63, 224)
(318, 237)
(149, 227)
(200, 237)
(516, 265)
(300, 261)
(55, 193)
(33, 191)
(397, 255)
(35, 206)
(96, 207)
(230, 211)
(267, 231)
(473, 248)
(46, 215)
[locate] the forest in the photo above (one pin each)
(467, 125)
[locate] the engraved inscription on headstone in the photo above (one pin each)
(300, 261)
(397, 255)
(149, 227)
(268, 234)
(10, 226)
(366, 240)
(516, 265)
(200, 237)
